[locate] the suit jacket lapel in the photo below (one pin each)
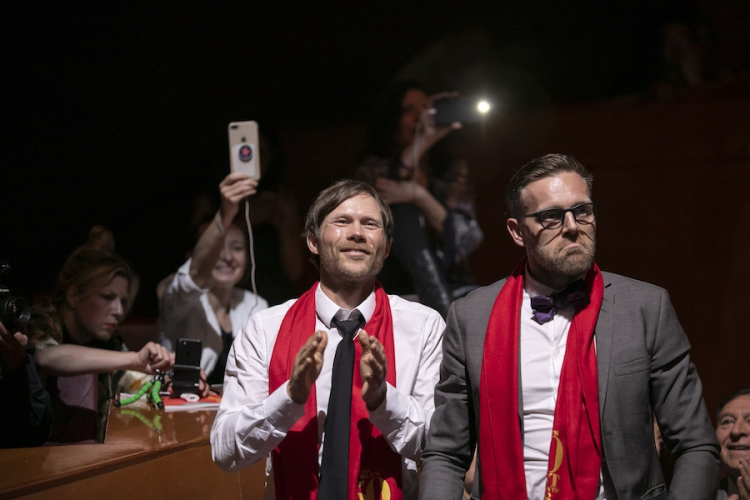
(604, 336)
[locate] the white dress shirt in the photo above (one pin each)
(251, 422)
(542, 353)
(186, 313)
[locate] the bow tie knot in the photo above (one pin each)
(545, 307)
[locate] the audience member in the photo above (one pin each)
(557, 370)
(733, 433)
(203, 301)
(292, 386)
(433, 205)
(77, 333)
(26, 413)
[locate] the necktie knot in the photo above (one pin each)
(545, 307)
(348, 327)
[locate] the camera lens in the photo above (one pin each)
(14, 311)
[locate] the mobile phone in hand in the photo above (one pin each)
(244, 149)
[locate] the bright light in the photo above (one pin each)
(483, 107)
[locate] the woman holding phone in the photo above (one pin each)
(203, 300)
(430, 194)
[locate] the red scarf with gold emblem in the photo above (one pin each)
(374, 468)
(575, 456)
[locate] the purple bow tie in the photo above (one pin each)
(546, 307)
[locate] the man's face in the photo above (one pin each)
(733, 432)
(352, 244)
(558, 256)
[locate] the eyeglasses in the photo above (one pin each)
(552, 218)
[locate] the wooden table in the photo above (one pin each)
(147, 454)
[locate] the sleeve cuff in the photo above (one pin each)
(392, 412)
(184, 281)
(281, 411)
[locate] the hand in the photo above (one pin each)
(743, 482)
(307, 366)
(373, 368)
(427, 133)
(153, 357)
(395, 192)
(11, 349)
(234, 188)
(203, 388)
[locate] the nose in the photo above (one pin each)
(116, 308)
(224, 254)
(355, 232)
(740, 428)
(569, 223)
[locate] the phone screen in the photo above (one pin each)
(188, 352)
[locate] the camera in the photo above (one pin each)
(14, 311)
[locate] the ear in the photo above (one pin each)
(71, 297)
(515, 230)
(312, 244)
(388, 248)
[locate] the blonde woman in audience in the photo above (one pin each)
(77, 332)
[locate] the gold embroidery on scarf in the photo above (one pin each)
(552, 476)
(366, 487)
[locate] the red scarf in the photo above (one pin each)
(373, 466)
(575, 449)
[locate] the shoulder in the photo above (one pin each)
(272, 313)
(263, 326)
(414, 313)
(623, 285)
(481, 298)
(248, 299)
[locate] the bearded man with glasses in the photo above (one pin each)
(556, 373)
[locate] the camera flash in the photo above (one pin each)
(483, 106)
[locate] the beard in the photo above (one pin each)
(569, 263)
(335, 263)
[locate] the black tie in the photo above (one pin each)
(334, 468)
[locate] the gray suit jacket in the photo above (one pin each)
(644, 368)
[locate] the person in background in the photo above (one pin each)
(431, 196)
(77, 332)
(335, 388)
(733, 433)
(203, 300)
(26, 411)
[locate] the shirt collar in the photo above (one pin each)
(533, 287)
(326, 309)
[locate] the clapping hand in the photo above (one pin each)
(373, 369)
(307, 366)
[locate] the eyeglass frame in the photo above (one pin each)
(565, 212)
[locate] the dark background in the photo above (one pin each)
(117, 115)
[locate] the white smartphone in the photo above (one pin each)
(244, 152)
